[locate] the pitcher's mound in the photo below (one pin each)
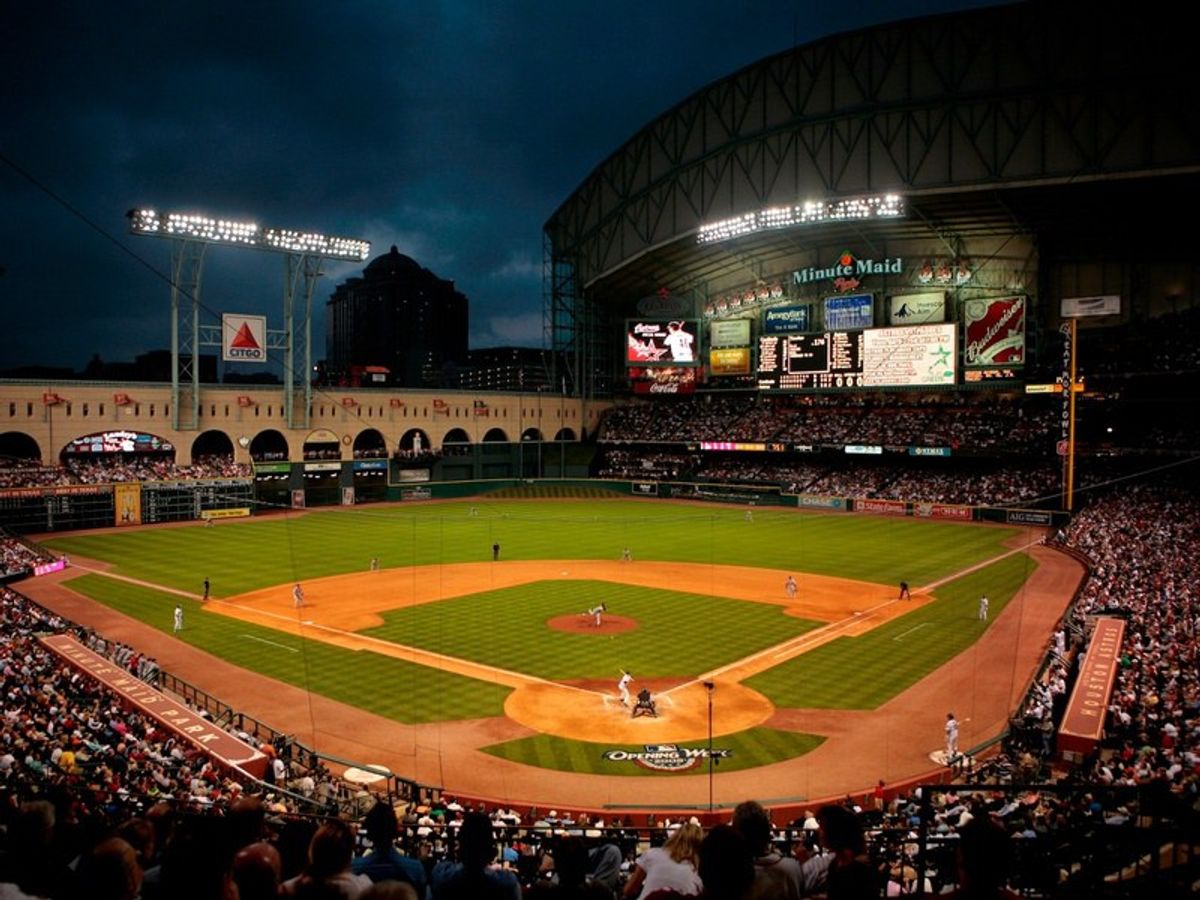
(581, 623)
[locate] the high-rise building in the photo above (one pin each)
(507, 369)
(400, 316)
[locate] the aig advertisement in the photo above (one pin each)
(994, 332)
(243, 338)
(672, 343)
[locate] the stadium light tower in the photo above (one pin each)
(191, 235)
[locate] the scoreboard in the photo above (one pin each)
(797, 362)
(910, 356)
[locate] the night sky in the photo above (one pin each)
(452, 130)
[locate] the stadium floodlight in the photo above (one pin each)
(191, 226)
(809, 212)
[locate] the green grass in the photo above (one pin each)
(748, 749)
(247, 555)
(380, 684)
(863, 672)
(674, 637)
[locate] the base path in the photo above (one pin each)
(893, 742)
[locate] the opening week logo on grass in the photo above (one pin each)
(666, 757)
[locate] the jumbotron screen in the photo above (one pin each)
(918, 355)
(669, 343)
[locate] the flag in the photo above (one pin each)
(439, 406)
(481, 408)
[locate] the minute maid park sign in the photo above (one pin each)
(847, 271)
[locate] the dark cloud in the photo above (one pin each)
(452, 130)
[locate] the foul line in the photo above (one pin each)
(910, 631)
(251, 637)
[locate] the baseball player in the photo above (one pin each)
(297, 596)
(623, 687)
(597, 613)
(178, 618)
(626, 555)
(790, 587)
(983, 608)
(206, 585)
(951, 737)
(904, 594)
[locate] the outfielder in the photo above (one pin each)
(178, 618)
(983, 608)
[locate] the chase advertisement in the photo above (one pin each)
(664, 343)
(994, 332)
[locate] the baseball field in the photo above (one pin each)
(451, 643)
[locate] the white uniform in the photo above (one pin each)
(178, 619)
(951, 737)
(790, 587)
(680, 343)
(623, 688)
(597, 612)
(983, 608)
(297, 596)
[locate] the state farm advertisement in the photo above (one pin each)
(994, 332)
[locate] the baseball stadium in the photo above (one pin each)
(864, 478)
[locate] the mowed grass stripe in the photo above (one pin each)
(749, 749)
(248, 555)
(678, 634)
(380, 684)
(864, 672)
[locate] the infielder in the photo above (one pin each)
(983, 608)
(904, 594)
(597, 613)
(790, 587)
(178, 618)
(623, 687)
(297, 596)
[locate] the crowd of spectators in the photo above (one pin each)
(112, 469)
(18, 556)
(972, 422)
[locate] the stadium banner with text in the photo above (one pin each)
(820, 501)
(994, 332)
(913, 356)
(644, 488)
(943, 511)
(172, 715)
(781, 319)
(1084, 307)
(1082, 724)
(412, 476)
(298, 498)
(51, 567)
(884, 507)
(119, 442)
(928, 451)
(729, 333)
(729, 361)
(667, 380)
(347, 496)
(416, 493)
(1028, 517)
(323, 467)
(662, 343)
(127, 504)
(243, 338)
(62, 490)
(234, 512)
(370, 465)
(272, 468)
(917, 309)
(849, 313)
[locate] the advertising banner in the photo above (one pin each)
(917, 309)
(347, 496)
(1028, 517)
(413, 476)
(323, 467)
(885, 507)
(917, 355)
(849, 313)
(729, 333)
(233, 512)
(820, 501)
(416, 493)
(298, 498)
(943, 511)
(645, 488)
(371, 465)
(663, 381)
(729, 361)
(673, 343)
(243, 338)
(272, 468)
(1083, 720)
(127, 504)
(994, 332)
(65, 490)
(780, 319)
(1084, 307)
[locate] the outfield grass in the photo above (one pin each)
(863, 672)
(674, 637)
(390, 687)
(749, 749)
(247, 555)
